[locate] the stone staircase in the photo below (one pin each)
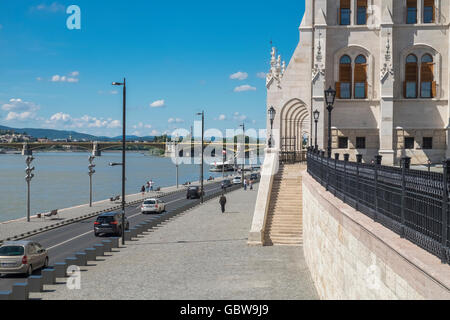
(284, 220)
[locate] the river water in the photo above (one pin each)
(61, 179)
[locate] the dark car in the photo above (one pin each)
(254, 176)
(110, 223)
(226, 183)
(193, 192)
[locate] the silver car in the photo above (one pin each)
(153, 205)
(22, 257)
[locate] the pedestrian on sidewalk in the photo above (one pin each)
(143, 190)
(245, 184)
(151, 184)
(223, 201)
(147, 186)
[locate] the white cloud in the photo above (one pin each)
(71, 78)
(239, 75)
(20, 110)
(261, 75)
(175, 120)
(158, 104)
(53, 8)
(61, 117)
(141, 125)
(244, 88)
(65, 120)
(239, 117)
(155, 133)
(222, 117)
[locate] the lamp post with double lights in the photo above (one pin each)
(316, 114)
(201, 165)
(91, 173)
(330, 95)
(272, 113)
(28, 178)
(243, 152)
(123, 152)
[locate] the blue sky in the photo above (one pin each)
(176, 55)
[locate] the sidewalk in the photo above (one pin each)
(201, 254)
(20, 227)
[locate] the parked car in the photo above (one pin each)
(110, 223)
(153, 205)
(254, 176)
(22, 257)
(237, 180)
(194, 192)
(226, 183)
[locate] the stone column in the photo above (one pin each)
(386, 128)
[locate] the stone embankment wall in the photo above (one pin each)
(352, 257)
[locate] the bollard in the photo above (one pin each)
(48, 276)
(60, 269)
(100, 249)
(108, 245)
(91, 254)
(82, 258)
(72, 261)
(35, 284)
(5, 295)
(20, 291)
(127, 235)
(115, 242)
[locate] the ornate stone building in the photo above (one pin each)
(388, 61)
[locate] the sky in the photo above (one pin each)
(179, 57)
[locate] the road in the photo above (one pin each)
(64, 241)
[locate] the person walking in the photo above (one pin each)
(151, 184)
(245, 184)
(143, 190)
(147, 186)
(223, 201)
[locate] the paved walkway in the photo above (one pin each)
(201, 254)
(12, 228)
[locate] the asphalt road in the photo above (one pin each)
(66, 240)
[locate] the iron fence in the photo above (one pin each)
(412, 203)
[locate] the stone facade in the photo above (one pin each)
(385, 40)
(351, 257)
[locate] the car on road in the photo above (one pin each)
(153, 205)
(110, 223)
(237, 180)
(226, 183)
(22, 257)
(254, 176)
(194, 192)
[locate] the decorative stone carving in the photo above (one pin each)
(277, 69)
(387, 68)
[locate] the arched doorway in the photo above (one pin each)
(295, 127)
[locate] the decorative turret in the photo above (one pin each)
(277, 68)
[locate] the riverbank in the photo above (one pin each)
(20, 228)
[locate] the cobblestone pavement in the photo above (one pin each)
(200, 254)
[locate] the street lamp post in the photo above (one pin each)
(272, 113)
(123, 152)
(316, 119)
(243, 153)
(330, 95)
(91, 173)
(201, 165)
(28, 178)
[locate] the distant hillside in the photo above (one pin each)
(61, 134)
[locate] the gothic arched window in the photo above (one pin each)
(411, 77)
(427, 84)
(360, 77)
(344, 86)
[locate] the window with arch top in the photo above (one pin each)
(360, 77)
(427, 83)
(344, 86)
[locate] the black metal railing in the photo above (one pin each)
(412, 203)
